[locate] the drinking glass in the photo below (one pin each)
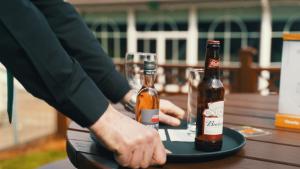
(194, 78)
(134, 68)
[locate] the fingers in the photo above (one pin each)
(148, 150)
(171, 109)
(159, 155)
(137, 157)
(168, 151)
(134, 144)
(165, 118)
(123, 159)
(147, 157)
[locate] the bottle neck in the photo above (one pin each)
(148, 80)
(212, 63)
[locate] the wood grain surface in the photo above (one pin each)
(278, 150)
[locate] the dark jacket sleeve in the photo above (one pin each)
(81, 44)
(32, 52)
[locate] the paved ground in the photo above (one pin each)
(34, 120)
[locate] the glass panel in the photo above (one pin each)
(278, 25)
(161, 15)
(284, 18)
(175, 50)
(201, 48)
(161, 26)
(232, 26)
(110, 50)
(235, 48)
(222, 40)
(244, 13)
(253, 25)
(276, 50)
(109, 27)
(235, 27)
(165, 20)
(123, 45)
(203, 26)
(147, 26)
(220, 27)
(295, 26)
(104, 17)
(146, 45)
(284, 12)
(169, 50)
(182, 50)
(254, 42)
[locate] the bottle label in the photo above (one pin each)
(213, 63)
(150, 118)
(213, 118)
(149, 72)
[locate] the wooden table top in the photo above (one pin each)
(280, 149)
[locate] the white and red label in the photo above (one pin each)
(213, 118)
(150, 117)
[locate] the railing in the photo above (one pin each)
(242, 77)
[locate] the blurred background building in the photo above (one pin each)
(177, 30)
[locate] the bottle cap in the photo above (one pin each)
(149, 67)
(213, 43)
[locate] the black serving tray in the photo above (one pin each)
(233, 141)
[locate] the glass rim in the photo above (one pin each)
(139, 57)
(196, 69)
(142, 53)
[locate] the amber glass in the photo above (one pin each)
(210, 90)
(147, 97)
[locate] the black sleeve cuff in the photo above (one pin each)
(114, 86)
(89, 102)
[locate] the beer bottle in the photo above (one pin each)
(147, 106)
(210, 106)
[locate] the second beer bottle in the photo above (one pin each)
(210, 106)
(147, 106)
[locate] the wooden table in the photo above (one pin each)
(280, 149)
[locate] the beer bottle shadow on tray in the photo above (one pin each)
(210, 106)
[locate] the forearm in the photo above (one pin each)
(44, 67)
(78, 40)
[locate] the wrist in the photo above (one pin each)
(107, 117)
(104, 128)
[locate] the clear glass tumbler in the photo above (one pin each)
(194, 78)
(134, 63)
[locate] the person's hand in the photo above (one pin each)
(170, 113)
(133, 144)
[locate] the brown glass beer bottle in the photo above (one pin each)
(210, 106)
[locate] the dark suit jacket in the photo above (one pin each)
(49, 49)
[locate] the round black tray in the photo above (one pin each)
(233, 141)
